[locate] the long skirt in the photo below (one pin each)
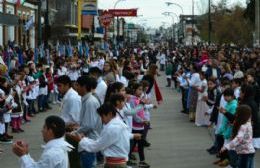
(201, 119)
(193, 103)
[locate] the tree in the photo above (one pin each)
(250, 11)
(228, 25)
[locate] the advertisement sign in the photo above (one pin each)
(124, 12)
(89, 7)
(106, 18)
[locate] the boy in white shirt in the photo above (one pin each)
(113, 140)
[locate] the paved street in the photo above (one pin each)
(176, 143)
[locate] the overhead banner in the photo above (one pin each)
(89, 7)
(123, 12)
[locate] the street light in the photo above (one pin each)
(39, 2)
(193, 19)
(117, 21)
(172, 3)
(209, 20)
(170, 14)
(176, 4)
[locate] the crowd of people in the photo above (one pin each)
(106, 101)
(220, 89)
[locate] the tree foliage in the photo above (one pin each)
(250, 11)
(228, 26)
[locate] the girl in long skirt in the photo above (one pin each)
(194, 83)
(202, 107)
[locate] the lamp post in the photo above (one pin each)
(117, 21)
(173, 3)
(257, 23)
(193, 20)
(47, 26)
(170, 14)
(209, 23)
(39, 23)
(79, 18)
(178, 5)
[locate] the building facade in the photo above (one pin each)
(13, 19)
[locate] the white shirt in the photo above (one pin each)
(195, 80)
(101, 63)
(62, 71)
(114, 140)
(70, 107)
(101, 90)
(237, 92)
(122, 79)
(163, 59)
(55, 155)
(73, 75)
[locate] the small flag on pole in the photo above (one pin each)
(29, 24)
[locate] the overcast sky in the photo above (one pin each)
(151, 10)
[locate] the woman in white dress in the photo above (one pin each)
(202, 107)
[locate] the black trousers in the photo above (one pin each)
(184, 99)
(140, 144)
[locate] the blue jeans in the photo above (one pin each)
(42, 99)
(246, 161)
(87, 159)
(233, 158)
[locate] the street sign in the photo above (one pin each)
(130, 26)
(8, 19)
(124, 12)
(106, 18)
(89, 7)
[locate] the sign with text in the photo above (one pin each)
(124, 12)
(89, 7)
(106, 18)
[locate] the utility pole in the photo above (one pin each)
(257, 23)
(47, 26)
(39, 23)
(117, 30)
(79, 18)
(173, 35)
(209, 20)
(193, 20)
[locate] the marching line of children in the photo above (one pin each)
(21, 91)
(133, 108)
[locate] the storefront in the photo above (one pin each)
(12, 24)
(26, 37)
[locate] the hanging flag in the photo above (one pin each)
(57, 46)
(36, 53)
(42, 51)
(70, 50)
(29, 24)
(86, 49)
(63, 51)
(20, 56)
(19, 2)
(9, 60)
(48, 56)
(80, 50)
